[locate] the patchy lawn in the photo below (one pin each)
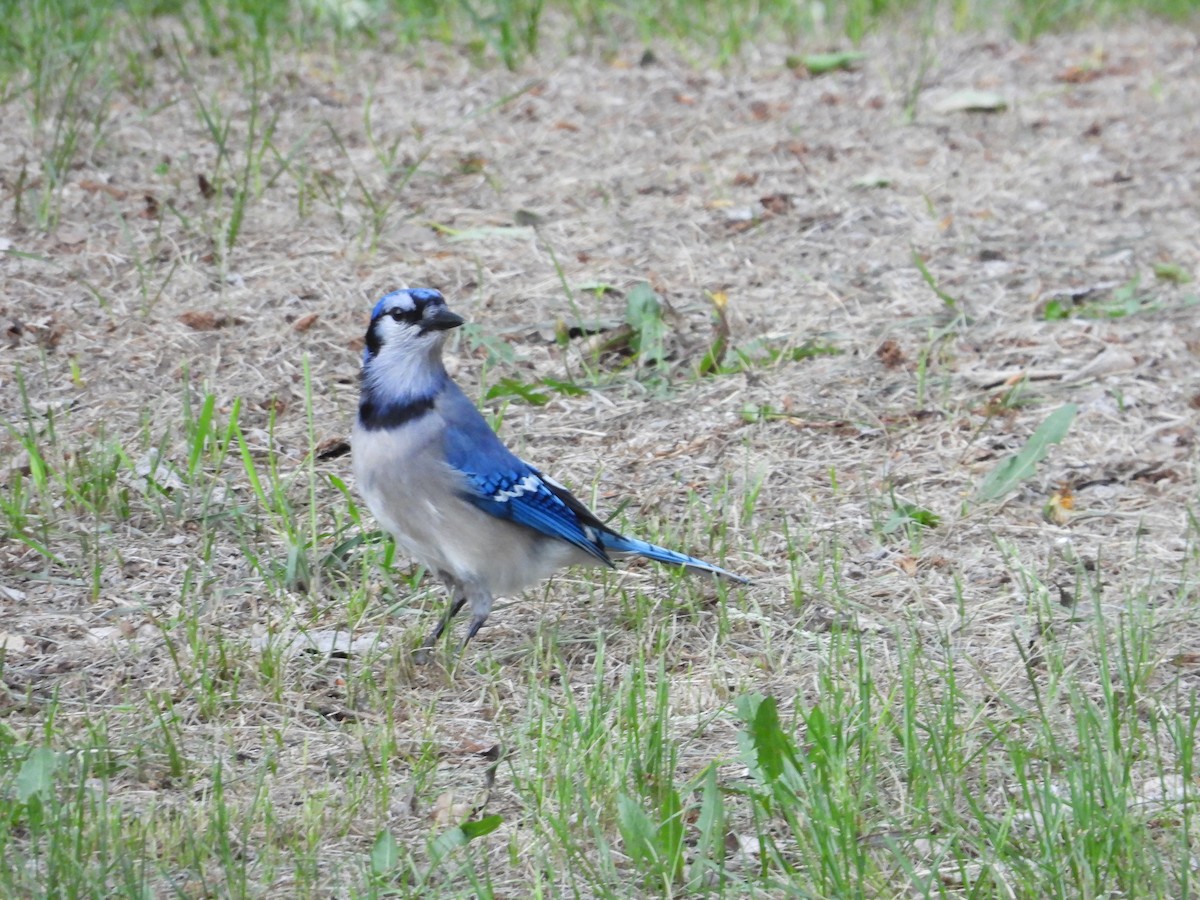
(208, 680)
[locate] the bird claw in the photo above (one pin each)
(473, 629)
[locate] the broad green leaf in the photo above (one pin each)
(37, 774)
(710, 828)
(477, 828)
(1056, 310)
(775, 755)
(385, 855)
(511, 387)
(769, 740)
(820, 63)
(643, 313)
(460, 836)
(910, 514)
(1173, 272)
(444, 843)
(1014, 469)
(566, 388)
(809, 350)
(671, 833)
(637, 831)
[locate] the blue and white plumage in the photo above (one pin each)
(453, 496)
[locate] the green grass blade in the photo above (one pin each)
(1014, 469)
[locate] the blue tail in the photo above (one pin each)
(616, 543)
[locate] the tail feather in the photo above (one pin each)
(616, 543)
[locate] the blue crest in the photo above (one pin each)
(407, 299)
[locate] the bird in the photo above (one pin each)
(454, 498)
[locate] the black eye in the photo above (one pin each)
(405, 315)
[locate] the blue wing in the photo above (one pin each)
(527, 498)
(504, 486)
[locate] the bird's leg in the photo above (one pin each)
(458, 598)
(481, 608)
(451, 612)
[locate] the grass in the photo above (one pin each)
(60, 62)
(891, 772)
(901, 764)
(218, 696)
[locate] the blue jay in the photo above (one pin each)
(437, 477)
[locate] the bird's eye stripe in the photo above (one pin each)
(405, 315)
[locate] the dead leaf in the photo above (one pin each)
(151, 208)
(742, 842)
(1079, 74)
(890, 354)
(106, 634)
(332, 448)
(1060, 505)
(1154, 473)
(49, 335)
(198, 320)
(448, 811)
(92, 187)
(207, 191)
(740, 219)
(71, 235)
(776, 204)
(471, 163)
(971, 101)
(1109, 361)
(13, 643)
(1178, 436)
(602, 342)
(11, 593)
(152, 468)
(306, 322)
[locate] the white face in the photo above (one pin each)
(404, 339)
(408, 322)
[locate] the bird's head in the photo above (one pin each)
(409, 323)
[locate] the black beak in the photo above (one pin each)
(440, 319)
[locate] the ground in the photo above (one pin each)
(225, 238)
